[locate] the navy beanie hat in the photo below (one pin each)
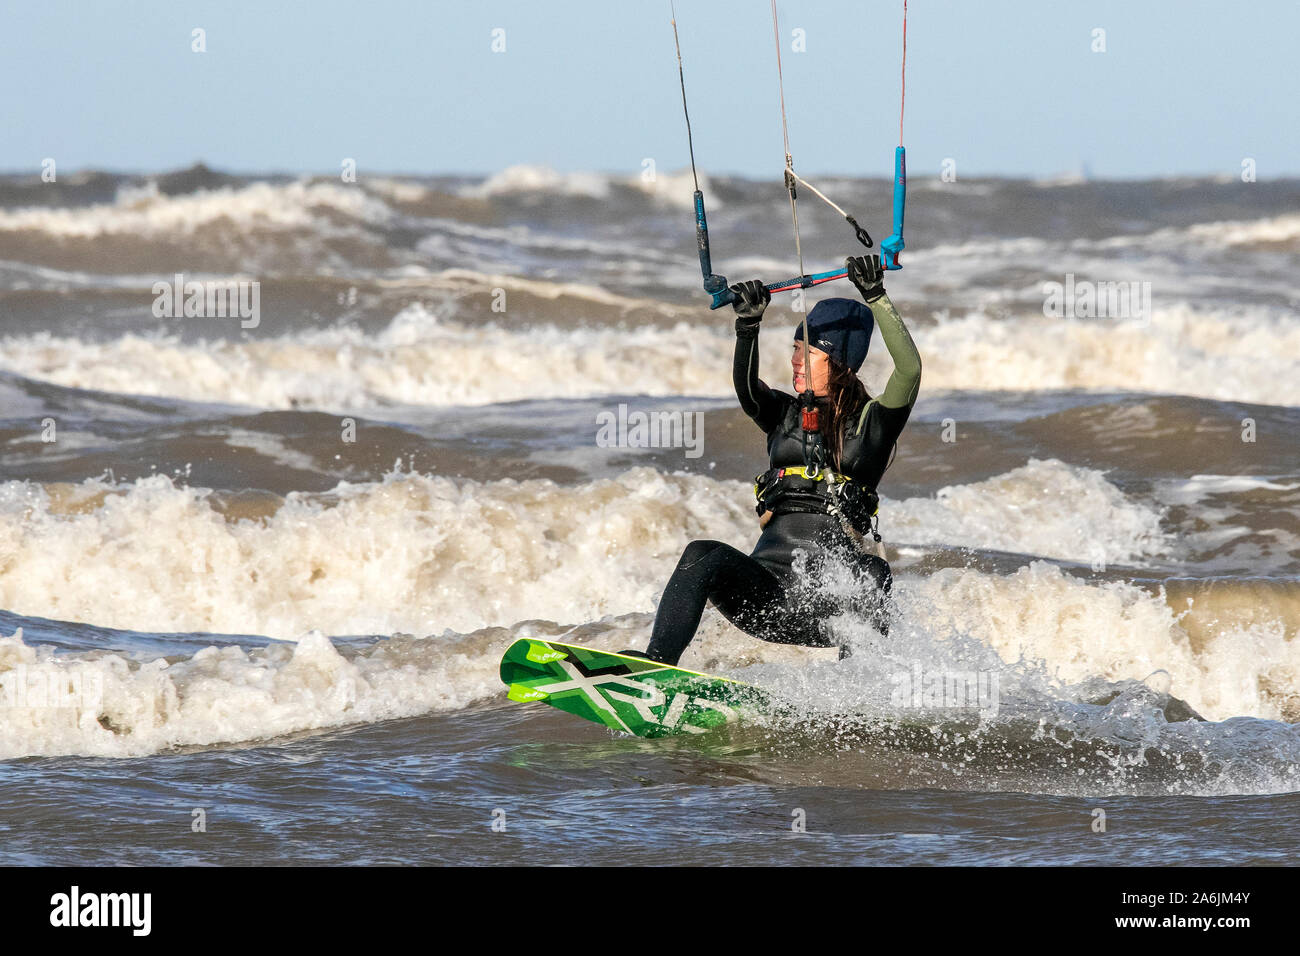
(841, 328)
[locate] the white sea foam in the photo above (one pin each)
(471, 242)
(674, 188)
(1118, 631)
(1045, 508)
(112, 704)
(413, 553)
(1250, 355)
(396, 189)
(417, 360)
(1251, 232)
(146, 212)
(1194, 490)
(421, 554)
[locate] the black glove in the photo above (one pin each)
(865, 273)
(750, 301)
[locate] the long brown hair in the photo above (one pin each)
(845, 398)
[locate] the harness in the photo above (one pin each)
(817, 490)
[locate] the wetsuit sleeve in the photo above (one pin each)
(905, 382)
(759, 402)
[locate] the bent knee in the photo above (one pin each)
(699, 549)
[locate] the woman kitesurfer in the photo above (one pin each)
(820, 502)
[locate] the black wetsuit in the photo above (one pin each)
(760, 593)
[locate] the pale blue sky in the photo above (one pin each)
(1004, 87)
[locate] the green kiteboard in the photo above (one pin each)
(631, 694)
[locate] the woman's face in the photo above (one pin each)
(820, 368)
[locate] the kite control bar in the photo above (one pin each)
(716, 285)
(724, 296)
(892, 246)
